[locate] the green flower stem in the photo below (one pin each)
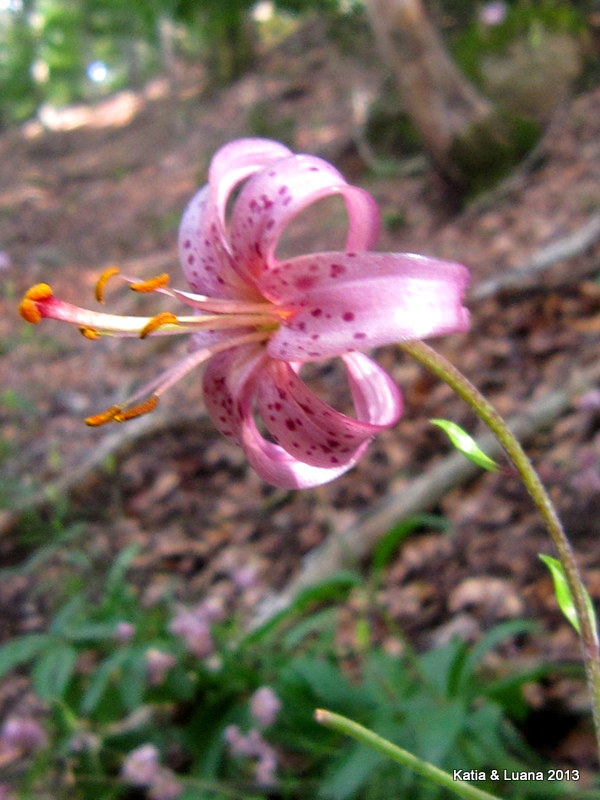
(437, 364)
(428, 771)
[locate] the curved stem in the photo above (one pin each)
(437, 364)
(424, 768)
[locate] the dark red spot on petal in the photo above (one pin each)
(348, 316)
(336, 270)
(304, 282)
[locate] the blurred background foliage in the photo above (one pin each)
(63, 51)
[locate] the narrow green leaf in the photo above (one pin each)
(115, 580)
(53, 669)
(563, 592)
(101, 679)
(465, 444)
(21, 650)
(387, 546)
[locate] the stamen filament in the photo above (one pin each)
(222, 306)
(187, 364)
(163, 382)
(219, 305)
(219, 321)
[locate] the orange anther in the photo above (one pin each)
(136, 411)
(89, 333)
(151, 285)
(39, 291)
(29, 311)
(103, 280)
(105, 416)
(28, 307)
(164, 318)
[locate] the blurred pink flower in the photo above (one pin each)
(264, 706)
(252, 745)
(158, 663)
(141, 766)
(6, 792)
(257, 319)
(192, 625)
(124, 632)
(493, 13)
(245, 576)
(20, 736)
(165, 787)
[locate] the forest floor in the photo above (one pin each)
(109, 184)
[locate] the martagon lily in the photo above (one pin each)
(257, 319)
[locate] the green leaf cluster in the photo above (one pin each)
(439, 704)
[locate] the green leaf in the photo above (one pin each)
(465, 444)
(101, 678)
(92, 631)
(335, 588)
(70, 614)
(20, 651)
(115, 581)
(53, 670)
(133, 678)
(467, 682)
(349, 773)
(387, 546)
(563, 593)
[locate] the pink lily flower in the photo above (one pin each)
(257, 319)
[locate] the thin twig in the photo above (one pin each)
(569, 246)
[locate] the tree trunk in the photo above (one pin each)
(460, 129)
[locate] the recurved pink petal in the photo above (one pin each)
(280, 468)
(229, 385)
(224, 384)
(204, 249)
(277, 193)
(236, 161)
(305, 426)
(377, 399)
(355, 301)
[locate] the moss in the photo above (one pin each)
(388, 129)
(488, 151)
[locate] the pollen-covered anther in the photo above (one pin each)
(108, 273)
(89, 333)
(164, 318)
(28, 307)
(151, 285)
(103, 417)
(146, 407)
